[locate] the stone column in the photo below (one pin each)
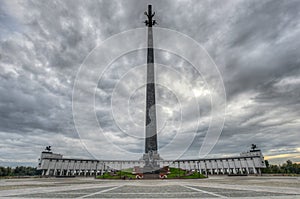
(151, 156)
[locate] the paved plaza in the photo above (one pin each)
(214, 187)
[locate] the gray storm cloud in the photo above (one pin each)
(255, 45)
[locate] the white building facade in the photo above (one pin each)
(53, 164)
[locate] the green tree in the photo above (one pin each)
(288, 167)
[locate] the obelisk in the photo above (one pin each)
(151, 156)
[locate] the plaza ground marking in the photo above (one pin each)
(207, 192)
(101, 191)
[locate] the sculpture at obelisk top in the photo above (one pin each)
(151, 156)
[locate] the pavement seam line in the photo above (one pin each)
(101, 191)
(207, 192)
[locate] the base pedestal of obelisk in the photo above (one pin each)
(151, 168)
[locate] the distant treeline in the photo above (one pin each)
(286, 168)
(19, 171)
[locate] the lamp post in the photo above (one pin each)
(96, 169)
(198, 169)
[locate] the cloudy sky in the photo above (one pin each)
(45, 44)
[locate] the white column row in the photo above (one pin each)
(69, 167)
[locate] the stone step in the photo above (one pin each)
(151, 176)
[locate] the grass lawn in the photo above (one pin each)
(179, 173)
(175, 173)
(117, 175)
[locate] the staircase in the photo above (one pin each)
(151, 176)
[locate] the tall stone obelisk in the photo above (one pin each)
(151, 156)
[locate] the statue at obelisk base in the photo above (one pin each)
(151, 156)
(151, 162)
